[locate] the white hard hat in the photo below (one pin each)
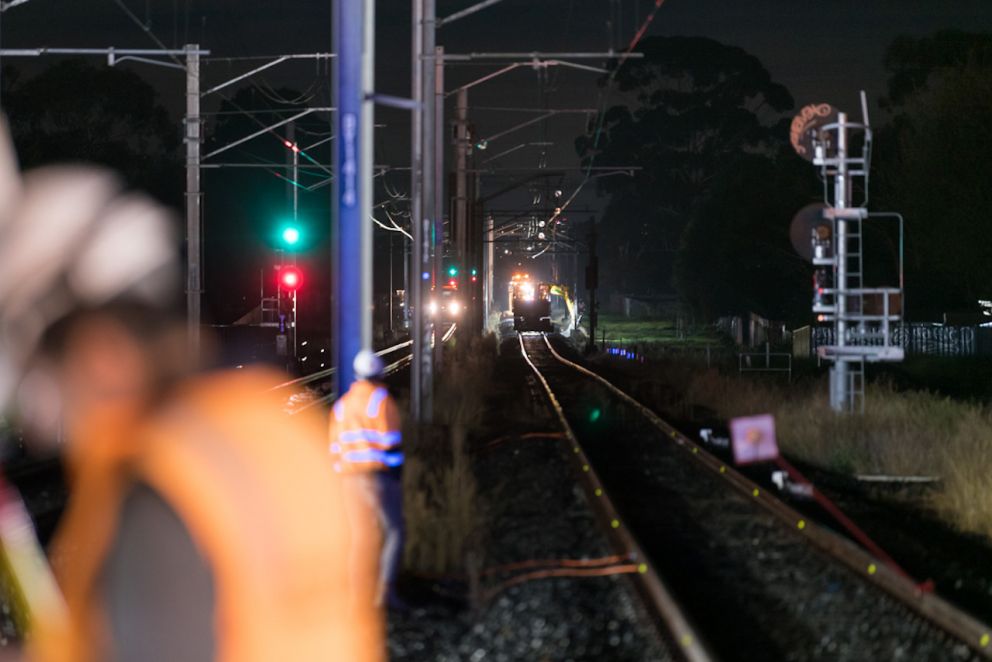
(70, 240)
(367, 365)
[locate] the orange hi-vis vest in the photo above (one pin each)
(252, 487)
(365, 430)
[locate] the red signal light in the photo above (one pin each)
(475, 279)
(453, 283)
(290, 278)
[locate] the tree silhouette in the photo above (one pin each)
(694, 106)
(73, 111)
(935, 166)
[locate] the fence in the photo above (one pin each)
(708, 354)
(766, 361)
(913, 338)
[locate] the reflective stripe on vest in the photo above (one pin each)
(390, 459)
(378, 395)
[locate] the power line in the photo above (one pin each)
(605, 96)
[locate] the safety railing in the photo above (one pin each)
(766, 361)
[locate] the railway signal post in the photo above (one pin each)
(863, 317)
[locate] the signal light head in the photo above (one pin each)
(290, 235)
(290, 278)
(452, 271)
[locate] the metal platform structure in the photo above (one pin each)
(864, 318)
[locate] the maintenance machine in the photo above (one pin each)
(530, 303)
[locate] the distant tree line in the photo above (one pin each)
(73, 111)
(707, 216)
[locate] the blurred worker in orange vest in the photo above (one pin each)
(203, 523)
(366, 447)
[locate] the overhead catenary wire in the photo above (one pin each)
(597, 134)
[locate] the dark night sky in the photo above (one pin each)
(822, 50)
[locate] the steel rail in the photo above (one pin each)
(647, 580)
(387, 371)
(964, 627)
(300, 381)
(391, 368)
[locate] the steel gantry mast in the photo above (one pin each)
(863, 317)
(353, 30)
(426, 180)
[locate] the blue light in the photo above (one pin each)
(425, 276)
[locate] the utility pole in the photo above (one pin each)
(461, 183)
(294, 191)
(391, 287)
(429, 152)
(367, 170)
(421, 377)
(839, 390)
(487, 271)
(354, 47)
(194, 199)
(437, 135)
(592, 284)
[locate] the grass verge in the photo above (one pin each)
(901, 432)
(631, 330)
(442, 507)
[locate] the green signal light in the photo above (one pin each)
(475, 272)
(453, 271)
(290, 236)
(595, 415)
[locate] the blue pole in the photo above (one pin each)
(347, 305)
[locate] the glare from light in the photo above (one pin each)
(432, 307)
(454, 307)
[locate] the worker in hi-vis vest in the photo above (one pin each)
(203, 523)
(366, 447)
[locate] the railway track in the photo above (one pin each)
(747, 576)
(399, 357)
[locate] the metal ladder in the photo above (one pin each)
(856, 386)
(856, 305)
